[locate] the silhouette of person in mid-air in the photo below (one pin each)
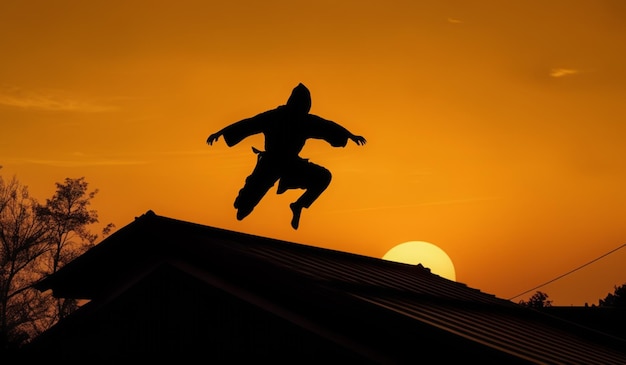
(286, 129)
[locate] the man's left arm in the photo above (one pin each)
(332, 132)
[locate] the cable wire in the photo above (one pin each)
(569, 272)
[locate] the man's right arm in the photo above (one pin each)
(237, 131)
(214, 137)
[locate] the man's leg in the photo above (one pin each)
(256, 186)
(314, 179)
(297, 211)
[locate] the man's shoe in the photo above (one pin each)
(297, 210)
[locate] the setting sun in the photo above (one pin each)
(425, 253)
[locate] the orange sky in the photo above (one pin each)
(495, 129)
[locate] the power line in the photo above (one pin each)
(570, 272)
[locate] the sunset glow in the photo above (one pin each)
(495, 129)
(425, 254)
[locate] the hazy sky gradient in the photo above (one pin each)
(495, 129)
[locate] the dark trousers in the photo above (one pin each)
(296, 173)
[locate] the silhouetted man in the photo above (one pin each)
(286, 129)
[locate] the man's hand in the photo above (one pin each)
(359, 140)
(212, 138)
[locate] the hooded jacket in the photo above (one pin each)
(287, 127)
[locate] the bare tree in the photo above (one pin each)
(35, 241)
(67, 216)
(22, 243)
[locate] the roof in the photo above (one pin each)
(268, 269)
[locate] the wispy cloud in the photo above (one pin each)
(185, 153)
(454, 21)
(49, 100)
(80, 159)
(562, 72)
(82, 163)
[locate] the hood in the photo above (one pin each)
(300, 99)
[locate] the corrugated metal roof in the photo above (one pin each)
(524, 336)
(363, 270)
(454, 307)
(407, 290)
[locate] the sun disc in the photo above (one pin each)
(425, 253)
